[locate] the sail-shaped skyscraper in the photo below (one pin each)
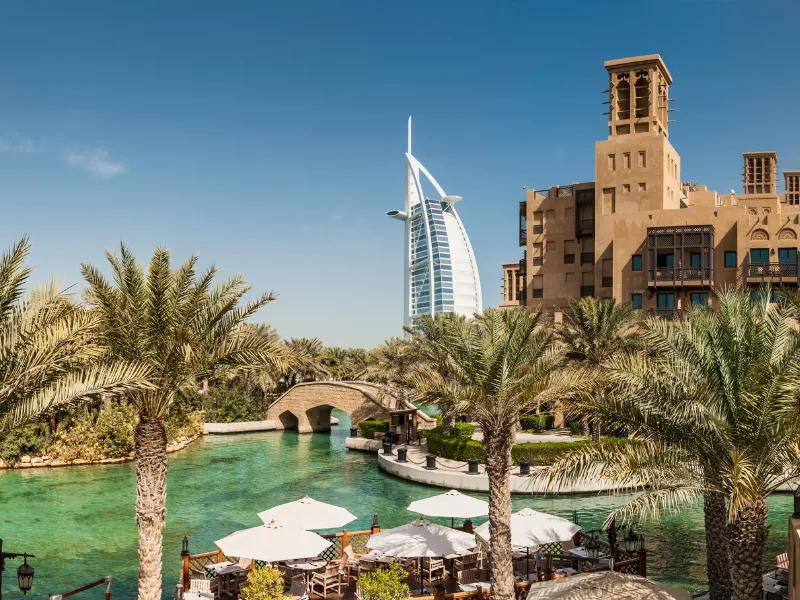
(440, 272)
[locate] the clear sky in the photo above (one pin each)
(269, 136)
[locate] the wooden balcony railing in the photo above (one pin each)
(666, 313)
(608, 282)
(569, 259)
(587, 258)
(537, 229)
(678, 276)
(584, 227)
(537, 261)
(587, 290)
(774, 272)
(537, 293)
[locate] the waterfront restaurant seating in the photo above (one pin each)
(467, 561)
(201, 587)
(432, 567)
(365, 566)
(298, 591)
(327, 580)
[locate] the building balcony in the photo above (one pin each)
(680, 277)
(666, 313)
(587, 258)
(523, 237)
(537, 261)
(587, 290)
(584, 227)
(608, 282)
(538, 229)
(777, 273)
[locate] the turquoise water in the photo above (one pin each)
(79, 521)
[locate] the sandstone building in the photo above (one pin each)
(638, 232)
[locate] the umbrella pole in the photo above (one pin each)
(452, 523)
(527, 563)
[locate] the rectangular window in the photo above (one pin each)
(759, 256)
(642, 186)
(626, 160)
(787, 256)
(665, 261)
(636, 262)
(626, 187)
(666, 301)
(643, 159)
(612, 162)
(609, 203)
(636, 301)
(699, 298)
(730, 259)
(694, 260)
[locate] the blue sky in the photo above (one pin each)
(269, 137)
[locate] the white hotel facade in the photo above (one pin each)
(440, 272)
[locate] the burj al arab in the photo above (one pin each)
(439, 270)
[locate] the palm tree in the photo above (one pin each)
(50, 357)
(593, 331)
(499, 364)
(389, 362)
(185, 332)
(306, 361)
(715, 402)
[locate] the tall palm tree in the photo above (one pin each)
(185, 331)
(499, 364)
(715, 401)
(593, 331)
(50, 357)
(306, 361)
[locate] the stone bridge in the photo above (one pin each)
(307, 406)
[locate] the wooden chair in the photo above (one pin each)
(366, 566)
(466, 562)
(289, 576)
(782, 561)
(298, 591)
(467, 576)
(202, 587)
(432, 566)
(327, 580)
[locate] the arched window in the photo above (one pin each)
(623, 97)
(642, 94)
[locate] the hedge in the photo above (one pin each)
(456, 448)
(370, 427)
(536, 422)
(546, 453)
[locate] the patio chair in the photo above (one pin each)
(567, 545)
(432, 566)
(466, 562)
(298, 591)
(467, 576)
(351, 554)
(367, 566)
(201, 587)
(327, 580)
(782, 561)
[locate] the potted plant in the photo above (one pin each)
(384, 584)
(263, 584)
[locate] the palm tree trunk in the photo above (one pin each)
(497, 447)
(447, 421)
(585, 423)
(150, 455)
(748, 533)
(718, 567)
(595, 430)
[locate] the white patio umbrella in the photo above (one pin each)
(450, 504)
(308, 513)
(606, 585)
(533, 528)
(421, 539)
(272, 542)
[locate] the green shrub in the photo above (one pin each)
(233, 405)
(18, 442)
(536, 422)
(455, 448)
(91, 434)
(384, 584)
(370, 427)
(264, 584)
(542, 454)
(576, 428)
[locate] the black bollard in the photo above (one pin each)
(430, 462)
(401, 454)
(524, 468)
(387, 446)
(354, 432)
(473, 466)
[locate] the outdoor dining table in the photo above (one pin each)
(306, 564)
(224, 570)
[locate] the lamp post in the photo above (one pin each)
(631, 540)
(24, 571)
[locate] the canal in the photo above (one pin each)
(79, 521)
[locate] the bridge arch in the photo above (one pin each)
(307, 406)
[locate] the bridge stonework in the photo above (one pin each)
(307, 406)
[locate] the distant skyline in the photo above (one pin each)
(270, 137)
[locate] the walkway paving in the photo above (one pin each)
(551, 435)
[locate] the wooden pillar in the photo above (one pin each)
(185, 575)
(345, 540)
(643, 563)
